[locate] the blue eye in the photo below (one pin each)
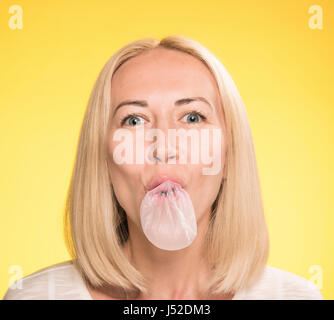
(194, 117)
(134, 120)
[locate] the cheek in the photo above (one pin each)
(122, 151)
(123, 190)
(207, 176)
(211, 151)
(125, 176)
(203, 192)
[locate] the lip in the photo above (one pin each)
(162, 178)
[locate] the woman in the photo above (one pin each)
(169, 84)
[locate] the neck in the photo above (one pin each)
(180, 274)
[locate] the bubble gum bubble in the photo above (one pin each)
(167, 217)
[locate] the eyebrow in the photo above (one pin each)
(143, 103)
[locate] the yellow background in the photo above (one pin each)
(283, 69)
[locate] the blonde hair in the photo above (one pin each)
(95, 225)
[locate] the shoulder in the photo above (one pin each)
(277, 284)
(58, 281)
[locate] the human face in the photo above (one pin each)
(161, 77)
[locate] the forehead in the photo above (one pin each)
(163, 74)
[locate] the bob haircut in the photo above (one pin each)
(95, 225)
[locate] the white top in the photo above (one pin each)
(62, 281)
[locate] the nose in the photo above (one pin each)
(162, 153)
(156, 158)
(164, 147)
